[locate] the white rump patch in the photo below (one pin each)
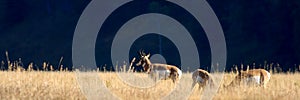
(199, 79)
(179, 73)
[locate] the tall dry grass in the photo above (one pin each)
(63, 85)
(36, 85)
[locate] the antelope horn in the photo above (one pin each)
(143, 53)
(140, 52)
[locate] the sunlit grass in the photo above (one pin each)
(63, 85)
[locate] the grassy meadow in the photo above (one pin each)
(63, 85)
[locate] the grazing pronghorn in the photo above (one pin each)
(202, 78)
(259, 77)
(164, 71)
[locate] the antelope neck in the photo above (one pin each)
(148, 63)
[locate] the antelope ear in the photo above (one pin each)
(148, 55)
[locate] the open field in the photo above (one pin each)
(64, 85)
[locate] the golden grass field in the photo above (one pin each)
(64, 86)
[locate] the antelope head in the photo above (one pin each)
(144, 61)
(163, 70)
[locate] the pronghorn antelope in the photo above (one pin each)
(163, 71)
(202, 78)
(259, 77)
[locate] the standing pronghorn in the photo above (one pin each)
(164, 71)
(259, 77)
(202, 78)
